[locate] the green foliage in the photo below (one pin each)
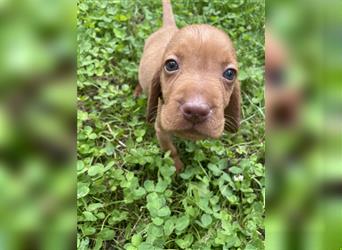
(129, 196)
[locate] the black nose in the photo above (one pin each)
(195, 112)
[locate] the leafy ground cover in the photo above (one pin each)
(128, 195)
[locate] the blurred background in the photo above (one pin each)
(38, 111)
(303, 125)
(37, 124)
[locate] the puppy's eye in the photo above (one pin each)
(229, 74)
(171, 65)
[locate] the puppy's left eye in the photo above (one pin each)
(171, 65)
(229, 74)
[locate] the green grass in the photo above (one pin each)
(128, 195)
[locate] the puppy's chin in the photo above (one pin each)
(209, 129)
(180, 127)
(197, 134)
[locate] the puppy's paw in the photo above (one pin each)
(137, 91)
(178, 164)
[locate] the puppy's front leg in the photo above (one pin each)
(165, 142)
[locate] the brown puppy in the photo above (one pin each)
(190, 77)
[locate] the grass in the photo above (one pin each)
(128, 195)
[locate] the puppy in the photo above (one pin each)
(190, 77)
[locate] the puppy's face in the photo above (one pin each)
(197, 81)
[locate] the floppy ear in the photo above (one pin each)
(232, 111)
(153, 97)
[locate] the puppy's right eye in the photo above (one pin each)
(171, 65)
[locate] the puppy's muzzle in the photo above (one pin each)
(195, 112)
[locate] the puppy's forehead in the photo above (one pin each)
(202, 40)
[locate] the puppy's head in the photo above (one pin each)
(197, 84)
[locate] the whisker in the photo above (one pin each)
(230, 117)
(154, 110)
(153, 113)
(229, 121)
(230, 125)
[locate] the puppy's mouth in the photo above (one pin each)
(198, 131)
(181, 125)
(192, 133)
